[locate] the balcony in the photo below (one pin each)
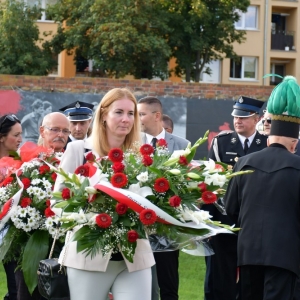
(281, 40)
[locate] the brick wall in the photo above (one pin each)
(155, 88)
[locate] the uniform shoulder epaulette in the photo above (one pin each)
(224, 133)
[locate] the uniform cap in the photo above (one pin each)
(78, 111)
(245, 107)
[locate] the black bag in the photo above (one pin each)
(53, 280)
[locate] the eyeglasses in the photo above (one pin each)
(268, 120)
(11, 118)
(58, 130)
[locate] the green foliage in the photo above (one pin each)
(20, 53)
(202, 31)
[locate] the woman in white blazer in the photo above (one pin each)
(116, 125)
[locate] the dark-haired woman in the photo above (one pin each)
(10, 140)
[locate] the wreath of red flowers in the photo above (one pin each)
(132, 236)
(183, 161)
(66, 193)
(121, 208)
(44, 169)
(25, 202)
(209, 197)
(119, 180)
(83, 170)
(146, 149)
(174, 201)
(202, 186)
(26, 181)
(103, 220)
(161, 185)
(118, 167)
(49, 212)
(115, 155)
(147, 160)
(148, 216)
(162, 143)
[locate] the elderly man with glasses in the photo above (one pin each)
(55, 131)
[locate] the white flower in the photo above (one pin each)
(142, 191)
(174, 171)
(178, 153)
(215, 179)
(36, 181)
(90, 190)
(143, 177)
(195, 216)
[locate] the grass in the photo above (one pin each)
(191, 272)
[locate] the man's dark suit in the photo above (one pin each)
(221, 268)
(266, 205)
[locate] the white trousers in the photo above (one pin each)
(87, 285)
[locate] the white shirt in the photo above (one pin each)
(150, 137)
(73, 139)
(250, 139)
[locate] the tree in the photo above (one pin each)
(202, 31)
(122, 37)
(20, 53)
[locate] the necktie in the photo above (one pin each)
(153, 142)
(246, 146)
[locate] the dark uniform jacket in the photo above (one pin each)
(227, 148)
(266, 205)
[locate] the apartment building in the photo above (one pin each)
(272, 45)
(272, 41)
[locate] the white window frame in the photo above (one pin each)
(243, 60)
(43, 4)
(241, 24)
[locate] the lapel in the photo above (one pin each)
(235, 144)
(257, 143)
(170, 142)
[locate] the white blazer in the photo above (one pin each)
(143, 257)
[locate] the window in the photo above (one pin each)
(247, 20)
(42, 4)
(243, 68)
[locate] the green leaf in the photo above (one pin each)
(7, 240)
(35, 250)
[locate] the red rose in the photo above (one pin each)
(53, 176)
(5, 208)
(121, 208)
(209, 197)
(132, 236)
(175, 201)
(147, 160)
(146, 149)
(182, 160)
(118, 167)
(162, 143)
(83, 170)
(148, 216)
(7, 181)
(44, 169)
(161, 185)
(202, 186)
(66, 194)
(49, 212)
(115, 155)
(26, 182)
(103, 220)
(90, 157)
(25, 202)
(119, 180)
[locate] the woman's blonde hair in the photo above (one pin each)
(99, 135)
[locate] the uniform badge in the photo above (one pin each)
(258, 141)
(77, 105)
(241, 100)
(233, 140)
(236, 159)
